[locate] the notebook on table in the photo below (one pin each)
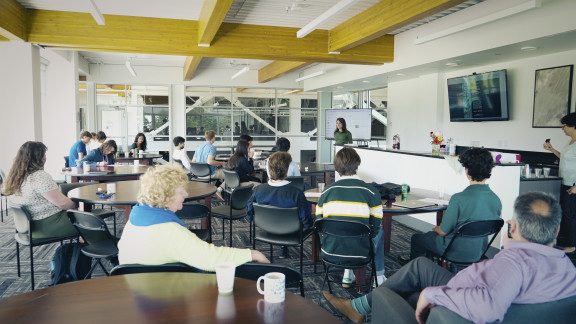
(413, 204)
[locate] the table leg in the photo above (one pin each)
(205, 223)
(74, 179)
(327, 178)
(127, 210)
(360, 279)
(387, 228)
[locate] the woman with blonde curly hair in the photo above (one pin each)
(155, 235)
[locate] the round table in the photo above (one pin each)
(127, 195)
(107, 173)
(157, 298)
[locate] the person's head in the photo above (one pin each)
(164, 187)
(93, 136)
(141, 139)
(278, 164)
(247, 138)
(537, 217)
(479, 163)
(101, 137)
(210, 136)
(109, 147)
(242, 148)
(568, 123)
(347, 162)
(282, 144)
(85, 136)
(30, 158)
(179, 141)
(340, 124)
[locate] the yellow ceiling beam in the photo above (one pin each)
(3, 39)
(12, 20)
(279, 68)
(179, 37)
(190, 66)
(211, 17)
(383, 18)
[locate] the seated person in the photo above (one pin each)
(206, 153)
(139, 143)
(78, 150)
(529, 270)
(352, 199)
(278, 192)
(283, 145)
(476, 202)
(29, 185)
(97, 140)
(179, 152)
(102, 156)
(155, 235)
(243, 164)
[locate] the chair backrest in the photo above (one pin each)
(180, 162)
(2, 177)
(297, 182)
(200, 169)
(66, 161)
(66, 187)
(231, 179)
(475, 229)
(91, 227)
(277, 220)
(253, 271)
(143, 268)
(239, 197)
(193, 211)
(22, 218)
(350, 242)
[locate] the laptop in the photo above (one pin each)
(413, 204)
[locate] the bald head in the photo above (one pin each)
(538, 217)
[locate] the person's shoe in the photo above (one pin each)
(344, 307)
(283, 253)
(348, 278)
(218, 194)
(381, 279)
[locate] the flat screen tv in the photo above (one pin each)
(358, 122)
(478, 97)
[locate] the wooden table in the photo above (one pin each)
(157, 298)
(145, 159)
(107, 173)
(127, 193)
(313, 170)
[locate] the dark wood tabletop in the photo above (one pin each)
(107, 173)
(157, 298)
(145, 159)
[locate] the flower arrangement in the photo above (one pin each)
(436, 137)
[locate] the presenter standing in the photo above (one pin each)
(567, 170)
(341, 134)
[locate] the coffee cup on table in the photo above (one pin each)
(225, 272)
(274, 287)
(320, 186)
(136, 163)
(538, 172)
(546, 172)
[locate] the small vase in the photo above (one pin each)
(435, 149)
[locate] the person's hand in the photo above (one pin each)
(103, 163)
(571, 190)
(257, 256)
(547, 146)
(251, 154)
(422, 309)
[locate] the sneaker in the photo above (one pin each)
(348, 278)
(381, 279)
(218, 195)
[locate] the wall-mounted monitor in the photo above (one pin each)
(358, 122)
(478, 97)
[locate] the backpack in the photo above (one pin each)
(69, 264)
(388, 190)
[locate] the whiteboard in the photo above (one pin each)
(358, 122)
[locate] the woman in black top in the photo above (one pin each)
(242, 163)
(139, 143)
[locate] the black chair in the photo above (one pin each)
(3, 198)
(200, 171)
(471, 229)
(190, 175)
(101, 244)
(24, 235)
(349, 251)
(236, 209)
(100, 212)
(231, 181)
(253, 271)
(279, 226)
(143, 268)
(67, 161)
(297, 182)
(196, 211)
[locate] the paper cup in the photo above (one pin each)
(320, 186)
(111, 188)
(274, 287)
(225, 272)
(546, 172)
(136, 163)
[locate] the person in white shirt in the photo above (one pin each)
(179, 152)
(97, 140)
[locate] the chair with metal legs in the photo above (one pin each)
(237, 208)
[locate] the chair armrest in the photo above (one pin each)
(441, 315)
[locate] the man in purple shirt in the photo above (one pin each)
(528, 271)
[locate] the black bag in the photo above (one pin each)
(69, 264)
(388, 190)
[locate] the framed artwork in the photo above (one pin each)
(552, 94)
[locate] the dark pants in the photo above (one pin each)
(568, 224)
(421, 243)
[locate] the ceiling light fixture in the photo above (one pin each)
(528, 48)
(293, 91)
(203, 45)
(239, 73)
(130, 67)
(452, 64)
(327, 15)
(311, 75)
(366, 81)
(95, 12)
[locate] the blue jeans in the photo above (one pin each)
(378, 241)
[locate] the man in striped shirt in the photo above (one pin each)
(352, 199)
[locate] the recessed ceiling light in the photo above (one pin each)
(528, 48)
(339, 87)
(452, 63)
(400, 74)
(365, 81)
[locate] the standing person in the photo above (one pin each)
(342, 135)
(179, 152)
(283, 145)
(206, 153)
(102, 156)
(352, 199)
(476, 202)
(243, 164)
(278, 192)
(139, 143)
(29, 185)
(567, 171)
(78, 150)
(97, 140)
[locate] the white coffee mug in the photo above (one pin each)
(274, 287)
